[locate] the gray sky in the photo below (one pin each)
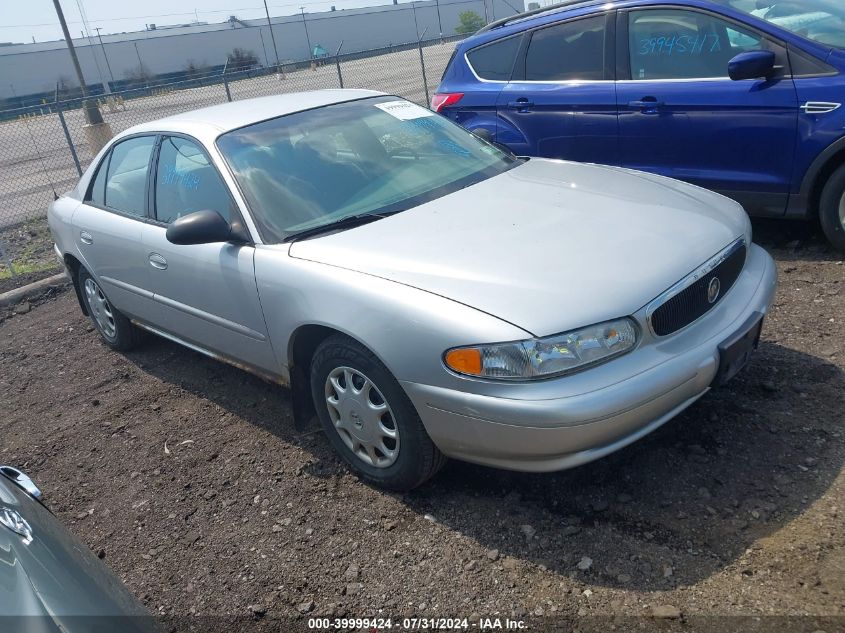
(23, 19)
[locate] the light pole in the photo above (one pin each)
(307, 39)
(92, 112)
(272, 37)
(108, 65)
(439, 22)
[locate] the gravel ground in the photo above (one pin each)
(190, 477)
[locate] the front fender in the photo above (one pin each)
(406, 328)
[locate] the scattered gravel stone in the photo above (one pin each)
(528, 531)
(493, 554)
(585, 563)
(23, 308)
(352, 572)
(471, 565)
(353, 588)
(305, 607)
(666, 611)
(258, 611)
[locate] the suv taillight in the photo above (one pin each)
(442, 100)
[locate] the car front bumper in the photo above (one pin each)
(553, 433)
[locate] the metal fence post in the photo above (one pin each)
(337, 63)
(226, 82)
(422, 65)
(67, 133)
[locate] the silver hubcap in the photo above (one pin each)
(100, 308)
(362, 417)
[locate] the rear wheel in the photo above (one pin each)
(832, 209)
(114, 328)
(368, 418)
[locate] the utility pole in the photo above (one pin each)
(272, 37)
(439, 22)
(92, 112)
(307, 39)
(111, 74)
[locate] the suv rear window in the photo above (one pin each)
(567, 52)
(495, 61)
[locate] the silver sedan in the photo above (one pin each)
(425, 293)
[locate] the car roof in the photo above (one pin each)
(217, 119)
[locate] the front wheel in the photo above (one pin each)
(114, 328)
(368, 418)
(832, 209)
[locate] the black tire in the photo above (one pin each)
(118, 333)
(417, 459)
(831, 208)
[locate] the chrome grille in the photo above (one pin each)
(692, 302)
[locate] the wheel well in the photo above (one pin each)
(303, 344)
(73, 266)
(834, 162)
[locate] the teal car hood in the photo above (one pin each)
(50, 573)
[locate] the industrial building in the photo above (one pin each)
(110, 60)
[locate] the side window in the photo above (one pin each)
(187, 182)
(569, 51)
(495, 61)
(679, 44)
(126, 182)
(97, 191)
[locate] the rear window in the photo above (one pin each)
(495, 61)
(567, 52)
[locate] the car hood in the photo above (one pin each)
(548, 246)
(57, 579)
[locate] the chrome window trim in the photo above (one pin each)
(687, 281)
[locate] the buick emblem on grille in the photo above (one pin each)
(713, 289)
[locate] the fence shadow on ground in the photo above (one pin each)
(680, 505)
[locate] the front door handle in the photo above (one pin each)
(521, 105)
(648, 105)
(157, 261)
(85, 237)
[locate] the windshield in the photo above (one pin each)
(819, 20)
(367, 157)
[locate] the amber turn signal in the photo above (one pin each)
(464, 361)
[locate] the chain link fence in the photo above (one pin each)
(44, 149)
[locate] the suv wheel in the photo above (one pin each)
(832, 209)
(368, 418)
(114, 328)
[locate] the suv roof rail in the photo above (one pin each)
(527, 14)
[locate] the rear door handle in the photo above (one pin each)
(85, 237)
(648, 105)
(157, 261)
(521, 105)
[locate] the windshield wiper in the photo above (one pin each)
(350, 221)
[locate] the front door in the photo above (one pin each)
(680, 115)
(561, 100)
(205, 293)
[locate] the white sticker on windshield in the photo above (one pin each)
(404, 110)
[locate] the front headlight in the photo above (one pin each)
(545, 357)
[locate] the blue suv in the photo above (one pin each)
(744, 97)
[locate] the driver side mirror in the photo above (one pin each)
(752, 65)
(205, 227)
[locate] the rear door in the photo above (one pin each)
(109, 224)
(205, 293)
(561, 100)
(680, 115)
